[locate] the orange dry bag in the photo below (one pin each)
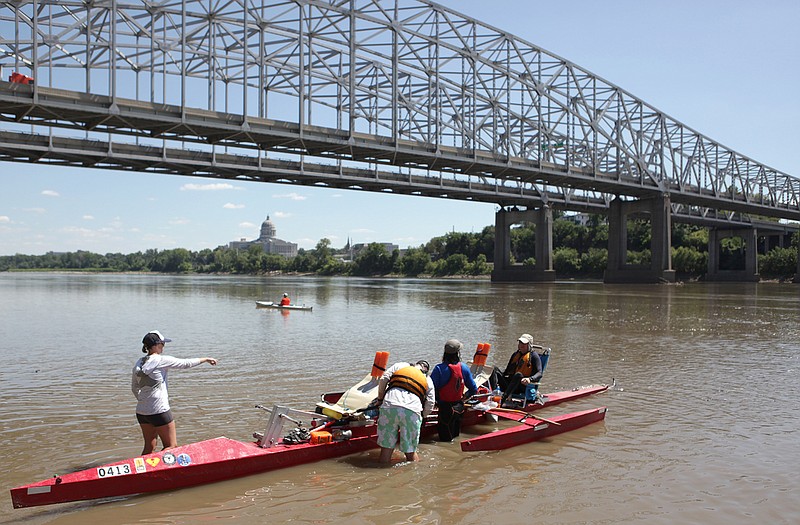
(379, 364)
(481, 354)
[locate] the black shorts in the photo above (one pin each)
(157, 420)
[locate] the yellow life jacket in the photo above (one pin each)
(524, 364)
(411, 379)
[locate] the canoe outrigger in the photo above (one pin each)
(341, 424)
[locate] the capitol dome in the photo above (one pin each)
(268, 230)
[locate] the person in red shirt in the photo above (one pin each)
(285, 301)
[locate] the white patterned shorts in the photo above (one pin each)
(399, 424)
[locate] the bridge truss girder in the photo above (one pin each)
(398, 83)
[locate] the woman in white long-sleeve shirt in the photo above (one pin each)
(149, 386)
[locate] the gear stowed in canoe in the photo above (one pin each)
(341, 423)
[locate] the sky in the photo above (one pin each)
(728, 69)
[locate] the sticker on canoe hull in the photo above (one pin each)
(114, 470)
(138, 463)
(184, 460)
(168, 458)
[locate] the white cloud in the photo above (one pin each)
(232, 206)
(159, 239)
(5, 219)
(408, 241)
(35, 210)
(290, 196)
(179, 221)
(246, 225)
(307, 243)
(217, 186)
(89, 235)
(281, 214)
(88, 217)
(50, 193)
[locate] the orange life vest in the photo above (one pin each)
(410, 379)
(523, 364)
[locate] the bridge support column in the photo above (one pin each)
(503, 270)
(660, 270)
(750, 272)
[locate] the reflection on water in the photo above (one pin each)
(699, 430)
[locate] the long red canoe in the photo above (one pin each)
(220, 459)
(532, 429)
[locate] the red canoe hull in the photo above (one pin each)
(217, 460)
(185, 466)
(533, 429)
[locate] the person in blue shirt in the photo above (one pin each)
(450, 377)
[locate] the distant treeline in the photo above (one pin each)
(579, 251)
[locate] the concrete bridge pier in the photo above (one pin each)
(750, 272)
(503, 270)
(660, 269)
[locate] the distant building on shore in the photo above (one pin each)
(268, 242)
(356, 249)
(351, 251)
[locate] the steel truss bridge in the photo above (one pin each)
(402, 96)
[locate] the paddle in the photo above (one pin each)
(526, 415)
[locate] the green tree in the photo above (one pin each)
(414, 262)
(639, 258)
(321, 256)
(373, 260)
(639, 235)
(523, 238)
(479, 266)
(594, 262)
(778, 262)
(176, 261)
(689, 261)
(732, 253)
(456, 264)
(334, 266)
(566, 261)
(223, 260)
(569, 235)
(302, 262)
(272, 262)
